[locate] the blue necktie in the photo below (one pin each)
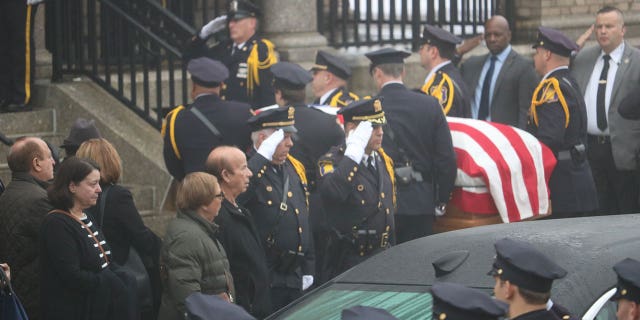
(483, 112)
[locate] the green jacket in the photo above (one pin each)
(194, 262)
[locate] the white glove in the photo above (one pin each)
(307, 281)
(441, 210)
(269, 145)
(357, 141)
(213, 26)
(32, 2)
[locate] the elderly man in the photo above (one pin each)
(606, 74)
(23, 205)
(277, 197)
(501, 82)
(444, 81)
(247, 55)
(628, 289)
(238, 232)
(329, 85)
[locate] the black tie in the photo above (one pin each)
(483, 112)
(370, 165)
(600, 98)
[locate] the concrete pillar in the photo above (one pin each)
(292, 26)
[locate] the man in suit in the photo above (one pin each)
(357, 185)
(606, 74)
(501, 82)
(191, 133)
(418, 139)
(444, 81)
(329, 85)
(247, 55)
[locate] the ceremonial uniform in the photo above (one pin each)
(339, 98)
(188, 140)
(277, 198)
(557, 117)
(336, 97)
(454, 301)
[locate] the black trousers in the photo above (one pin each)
(282, 296)
(617, 189)
(410, 227)
(17, 50)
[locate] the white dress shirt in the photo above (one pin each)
(591, 92)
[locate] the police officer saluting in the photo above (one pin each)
(277, 198)
(628, 289)
(557, 117)
(357, 186)
(453, 301)
(330, 75)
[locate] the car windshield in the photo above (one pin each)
(404, 302)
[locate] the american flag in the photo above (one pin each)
(500, 169)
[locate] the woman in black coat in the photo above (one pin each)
(121, 222)
(78, 278)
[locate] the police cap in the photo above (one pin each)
(523, 265)
(364, 110)
(368, 313)
(333, 64)
(386, 55)
(201, 306)
(290, 75)
(276, 118)
(555, 41)
(628, 287)
(207, 72)
(240, 9)
(453, 301)
(439, 37)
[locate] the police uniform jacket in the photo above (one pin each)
(340, 97)
(537, 315)
(421, 130)
(240, 238)
(249, 77)
(289, 228)
(188, 141)
(448, 86)
(558, 119)
(317, 133)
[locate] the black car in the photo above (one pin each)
(399, 279)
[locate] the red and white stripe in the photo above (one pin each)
(500, 168)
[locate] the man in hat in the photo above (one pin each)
(329, 85)
(605, 74)
(418, 139)
(357, 186)
(23, 206)
(247, 55)
(191, 133)
(453, 301)
(444, 81)
(81, 131)
(628, 289)
(501, 82)
(557, 118)
(523, 279)
(277, 198)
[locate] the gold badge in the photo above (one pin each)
(291, 111)
(377, 106)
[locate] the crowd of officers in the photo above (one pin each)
(323, 196)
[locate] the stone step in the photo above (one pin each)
(27, 123)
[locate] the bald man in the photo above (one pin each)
(23, 205)
(505, 94)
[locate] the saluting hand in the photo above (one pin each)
(268, 146)
(357, 141)
(213, 26)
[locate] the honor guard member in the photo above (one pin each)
(191, 133)
(523, 279)
(444, 81)
(557, 117)
(277, 198)
(452, 301)
(247, 55)
(357, 186)
(628, 289)
(418, 139)
(330, 75)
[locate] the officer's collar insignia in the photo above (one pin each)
(291, 112)
(377, 106)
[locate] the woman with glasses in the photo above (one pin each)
(192, 258)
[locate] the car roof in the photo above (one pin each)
(586, 247)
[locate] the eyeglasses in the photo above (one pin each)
(220, 195)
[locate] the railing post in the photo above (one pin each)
(56, 62)
(416, 24)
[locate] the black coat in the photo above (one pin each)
(420, 128)
(537, 315)
(339, 98)
(452, 91)
(290, 231)
(236, 87)
(194, 141)
(571, 184)
(240, 238)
